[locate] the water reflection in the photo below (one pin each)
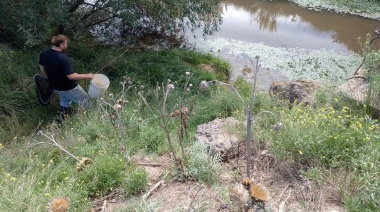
(282, 23)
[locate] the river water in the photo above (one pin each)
(283, 23)
(279, 31)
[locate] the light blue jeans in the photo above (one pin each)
(77, 95)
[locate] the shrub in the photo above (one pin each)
(322, 136)
(135, 180)
(101, 177)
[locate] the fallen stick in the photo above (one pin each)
(283, 192)
(104, 208)
(149, 164)
(147, 195)
(282, 205)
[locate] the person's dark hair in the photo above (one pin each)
(58, 39)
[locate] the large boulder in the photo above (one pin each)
(301, 91)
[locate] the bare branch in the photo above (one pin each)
(76, 5)
(99, 22)
(100, 8)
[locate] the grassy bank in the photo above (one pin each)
(333, 143)
(32, 144)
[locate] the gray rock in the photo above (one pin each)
(219, 135)
(301, 91)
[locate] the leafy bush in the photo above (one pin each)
(332, 139)
(135, 181)
(323, 136)
(105, 174)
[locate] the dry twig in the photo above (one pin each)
(147, 195)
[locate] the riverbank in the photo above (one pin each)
(367, 9)
(283, 63)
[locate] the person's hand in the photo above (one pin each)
(91, 75)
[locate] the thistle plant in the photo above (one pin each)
(114, 107)
(180, 110)
(161, 93)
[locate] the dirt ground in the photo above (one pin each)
(287, 188)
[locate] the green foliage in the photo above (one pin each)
(38, 20)
(135, 181)
(318, 144)
(104, 175)
(31, 22)
(328, 138)
(19, 109)
(224, 103)
(152, 67)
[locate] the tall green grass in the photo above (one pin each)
(33, 170)
(20, 112)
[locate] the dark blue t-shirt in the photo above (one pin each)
(57, 66)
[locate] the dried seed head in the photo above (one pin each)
(122, 101)
(59, 204)
(175, 113)
(203, 85)
(117, 107)
(277, 126)
(185, 110)
(258, 192)
(86, 161)
(83, 163)
(170, 87)
(247, 182)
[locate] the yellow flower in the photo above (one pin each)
(300, 152)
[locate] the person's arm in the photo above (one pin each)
(43, 71)
(76, 76)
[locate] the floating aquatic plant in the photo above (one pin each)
(296, 63)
